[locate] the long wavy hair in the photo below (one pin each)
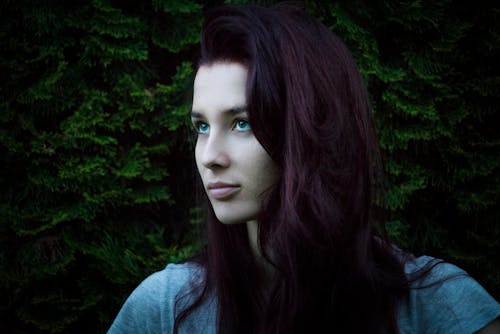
(335, 270)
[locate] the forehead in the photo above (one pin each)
(219, 86)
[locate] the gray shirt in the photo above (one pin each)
(456, 305)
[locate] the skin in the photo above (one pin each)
(226, 149)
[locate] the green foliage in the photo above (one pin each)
(92, 111)
(94, 147)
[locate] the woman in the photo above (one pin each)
(286, 151)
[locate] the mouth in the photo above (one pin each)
(222, 191)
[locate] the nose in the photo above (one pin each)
(213, 151)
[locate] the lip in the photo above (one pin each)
(221, 190)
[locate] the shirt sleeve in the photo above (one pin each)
(152, 306)
(146, 309)
(448, 300)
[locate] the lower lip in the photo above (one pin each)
(223, 192)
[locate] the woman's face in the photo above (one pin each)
(234, 167)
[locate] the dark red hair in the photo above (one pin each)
(309, 109)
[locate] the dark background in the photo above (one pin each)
(97, 178)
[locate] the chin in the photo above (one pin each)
(234, 215)
(235, 212)
(230, 219)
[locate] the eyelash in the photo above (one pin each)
(242, 120)
(197, 125)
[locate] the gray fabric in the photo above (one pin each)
(457, 305)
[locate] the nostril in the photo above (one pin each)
(215, 159)
(218, 161)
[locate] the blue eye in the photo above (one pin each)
(242, 125)
(201, 127)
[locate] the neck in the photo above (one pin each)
(266, 270)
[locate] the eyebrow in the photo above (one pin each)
(234, 111)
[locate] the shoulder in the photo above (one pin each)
(444, 299)
(150, 307)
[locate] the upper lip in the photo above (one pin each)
(215, 185)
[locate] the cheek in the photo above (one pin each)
(262, 168)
